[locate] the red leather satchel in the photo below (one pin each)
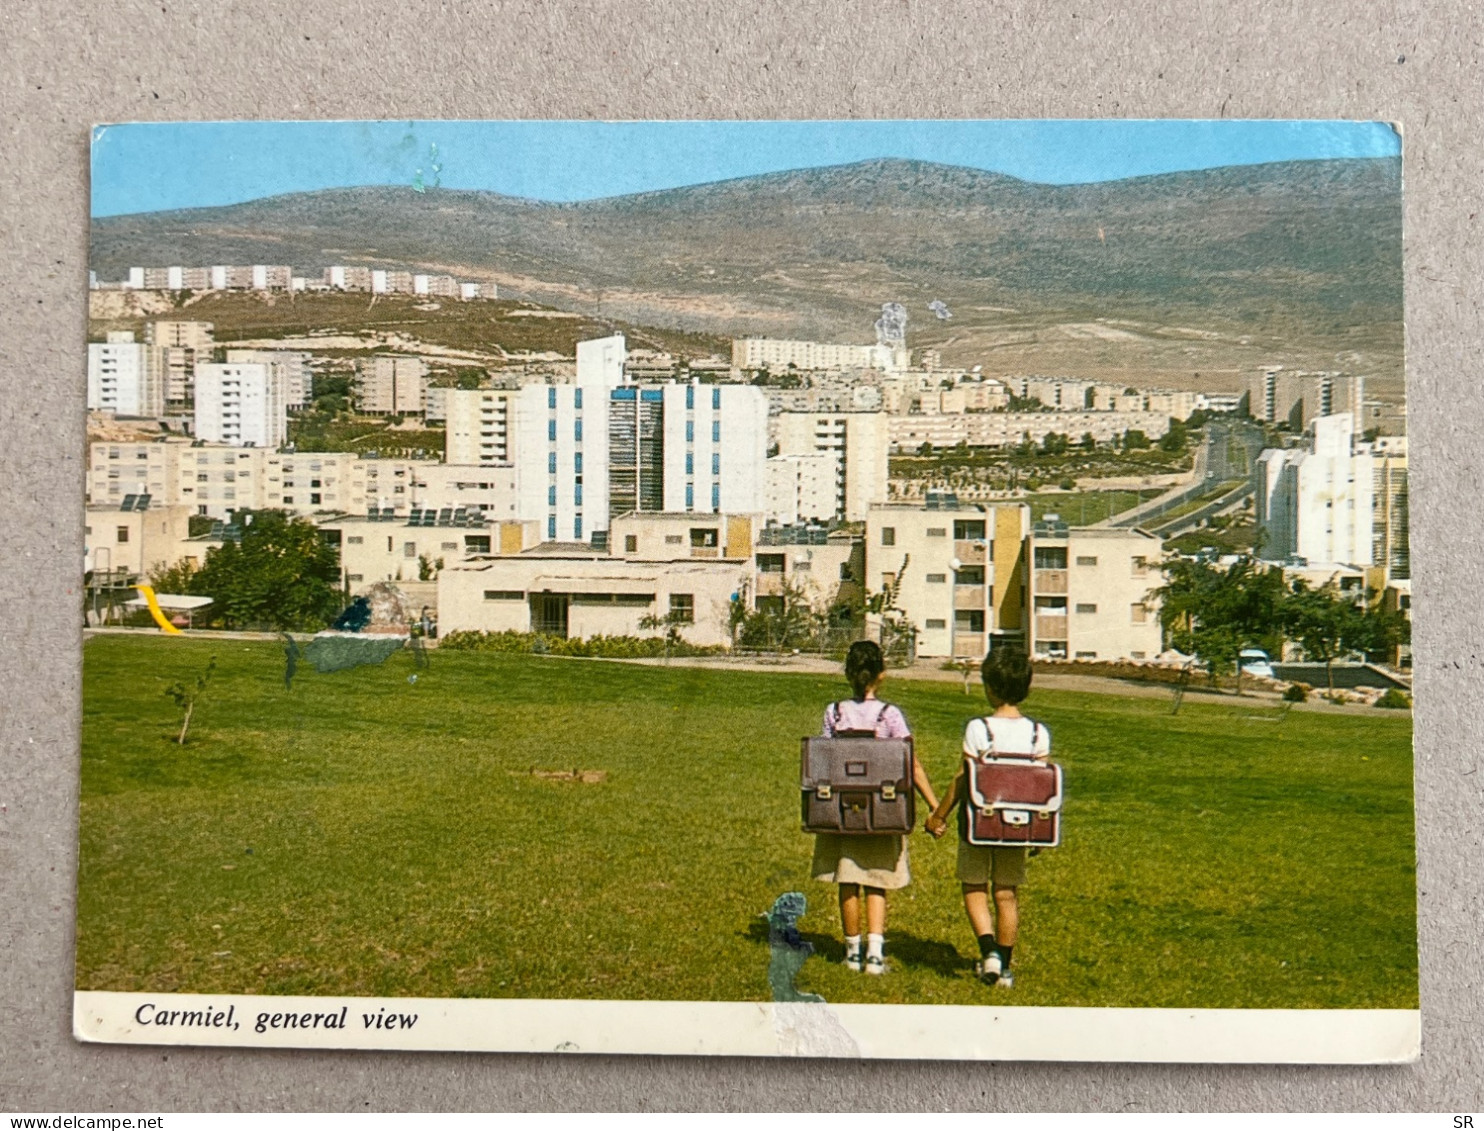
(1014, 799)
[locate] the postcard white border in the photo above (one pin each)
(680, 1028)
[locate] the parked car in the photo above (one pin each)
(1255, 661)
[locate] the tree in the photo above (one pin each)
(1089, 442)
(1321, 621)
(1054, 443)
(187, 693)
(925, 449)
(670, 623)
(1213, 612)
(177, 578)
(1175, 439)
(1134, 438)
(281, 574)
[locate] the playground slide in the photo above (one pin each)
(148, 593)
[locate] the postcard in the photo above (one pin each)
(901, 589)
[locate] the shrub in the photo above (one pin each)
(603, 647)
(1394, 699)
(1296, 693)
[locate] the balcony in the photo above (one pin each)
(968, 644)
(705, 551)
(1051, 628)
(970, 553)
(968, 596)
(1050, 581)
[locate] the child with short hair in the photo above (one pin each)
(870, 864)
(1006, 673)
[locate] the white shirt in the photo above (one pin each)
(1006, 736)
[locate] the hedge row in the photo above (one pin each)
(606, 647)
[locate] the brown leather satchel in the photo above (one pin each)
(1013, 799)
(857, 783)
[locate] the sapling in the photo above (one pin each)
(186, 695)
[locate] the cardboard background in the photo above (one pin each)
(65, 67)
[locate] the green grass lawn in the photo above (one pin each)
(363, 834)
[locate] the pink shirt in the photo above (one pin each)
(865, 714)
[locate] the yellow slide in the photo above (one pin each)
(148, 593)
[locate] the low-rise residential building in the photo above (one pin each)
(1006, 429)
(958, 570)
(1093, 592)
(391, 385)
(1295, 398)
(801, 488)
(415, 546)
(825, 569)
(136, 538)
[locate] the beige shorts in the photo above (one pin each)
(875, 861)
(990, 864)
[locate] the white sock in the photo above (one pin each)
(874, 945)
(852, 944)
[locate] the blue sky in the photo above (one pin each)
(145, 167)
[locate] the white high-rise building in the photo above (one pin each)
(123, 377)
(479, 426)
(1316, 502)
(857, 441)
(240, 404)
(291, 369)
(800, 488)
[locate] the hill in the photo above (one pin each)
(1296, 262)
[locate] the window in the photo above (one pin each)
(715, 497)
(845, 574)
(123, 535)
(289, 501)
(690, 463)
(690, 431)
(690, 496)
(551, 397)
(936, 622)
(970, 575)
(1051, 557)
(577, 495)
(704, 537)
(770, 563)
(551, 527)
(772, 605)
(313, 497)
(201, 476)
(577, 430)
(888, 579)
(551, 430)
(448, 546)
(1086, 609)
(577, 462)
(476, 543)
(716, 398)
(551, 463)
(969, 620)
(577, 397)
(409, 549)
(1087, 655)
(355, 577)
(888, 535)
(690, 397)
(355, 540)
(673, 539)
(716, 431)
(551, 495)
(968, 529)
(937, 532)
(1087, 559)
(1138, 613)
(683, 607)
(1140, 565)
(577, 527)
(631, 543)
(1051, 606)
(803, 566)
(715, 463)
(1136, 655)
(936, 578)
(504, 595)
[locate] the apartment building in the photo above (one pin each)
(479, 425)
(782, 353)
(856, 442)
(240, 404)
(1006, 429)
(124, 377)
(959, 568)
(177, 346)
(290, 370)
(1390, 510)
(824, 568)
(138, 538)
(405, 547)
(1318, 502)
(800, 488)
(1296, 398)
(391, 385)
(656, 565)
(1093, 592)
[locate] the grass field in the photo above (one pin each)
(363, 834)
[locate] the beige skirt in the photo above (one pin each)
(875, 861)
